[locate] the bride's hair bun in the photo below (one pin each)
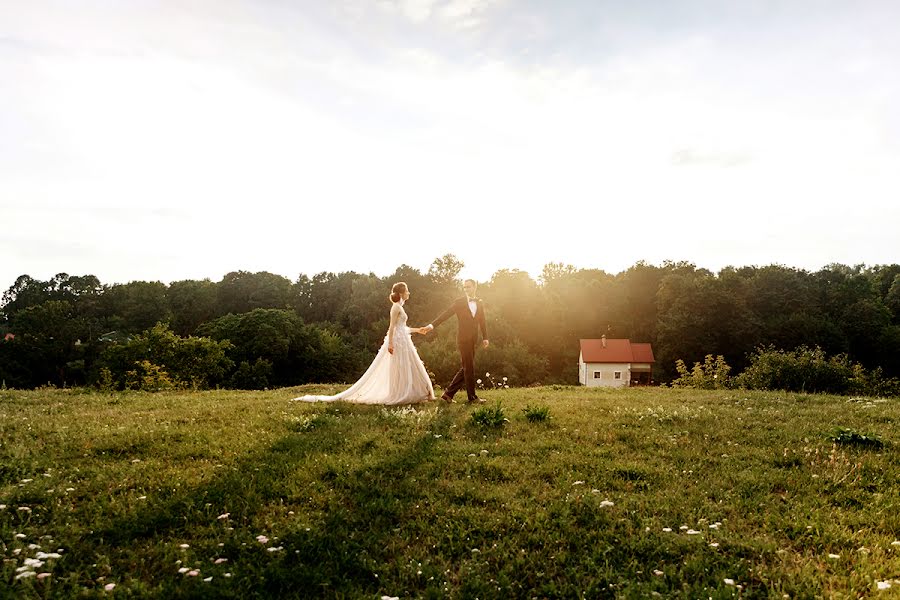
(397, 291)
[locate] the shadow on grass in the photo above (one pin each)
(338, 556)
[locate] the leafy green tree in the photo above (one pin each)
(25, 292)
(444, 271)
(191, 303)
(892, 300)
(194, 362)
(49, 335)
(298, 353)
(698, 315)
(242, 291)
(135, 306)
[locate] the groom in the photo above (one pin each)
(470, 316)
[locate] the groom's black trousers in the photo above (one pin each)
(466, 373)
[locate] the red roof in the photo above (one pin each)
(616, 351)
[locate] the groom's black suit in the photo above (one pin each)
(466, 338)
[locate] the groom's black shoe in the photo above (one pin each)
(475, 400)
(446, 398)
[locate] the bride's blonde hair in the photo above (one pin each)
(397, 291)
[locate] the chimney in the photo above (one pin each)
(603, 340)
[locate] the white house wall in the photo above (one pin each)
(607, 374)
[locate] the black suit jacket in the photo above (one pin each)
(468, 325)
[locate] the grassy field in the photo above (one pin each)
(620, 493)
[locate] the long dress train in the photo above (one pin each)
(398, 378)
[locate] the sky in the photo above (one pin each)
(176, 140)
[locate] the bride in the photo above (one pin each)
(397, 375)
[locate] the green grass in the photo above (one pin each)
(360, 502)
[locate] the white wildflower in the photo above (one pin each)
(262, 539)
(714, 544)
(183, 570)
(658, 573)
(728, 581)
(223, 516)
(184, 545)
(25, 574)
(607, 503)
(193, 573)
(883, 585)
(21, 536)
(43, 575)
(578, 483)
(834, 556)
(692, 532)
(219, 561)
(667, 529)
(109, 587)
(208, 579)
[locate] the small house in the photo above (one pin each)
(614, 363)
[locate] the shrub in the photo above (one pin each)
(810, 370)
(711, 375)
(251, 377)
(147, 377)
(187, 362)
(536, 414)
(490, 417)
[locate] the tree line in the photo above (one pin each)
(257, 330)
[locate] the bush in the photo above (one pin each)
(251, 377)
(536, 414)
(490, 417)
(190, 362)
(810, 370)
(147, 377)
(711, 375)
(801, 370)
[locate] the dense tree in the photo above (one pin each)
(134, 307)
(297, 353)
(191, 303)
(326, 327)
(242, 291)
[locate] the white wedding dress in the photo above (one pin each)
(398, 378)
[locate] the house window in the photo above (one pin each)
(617, 374)
(598, 374)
